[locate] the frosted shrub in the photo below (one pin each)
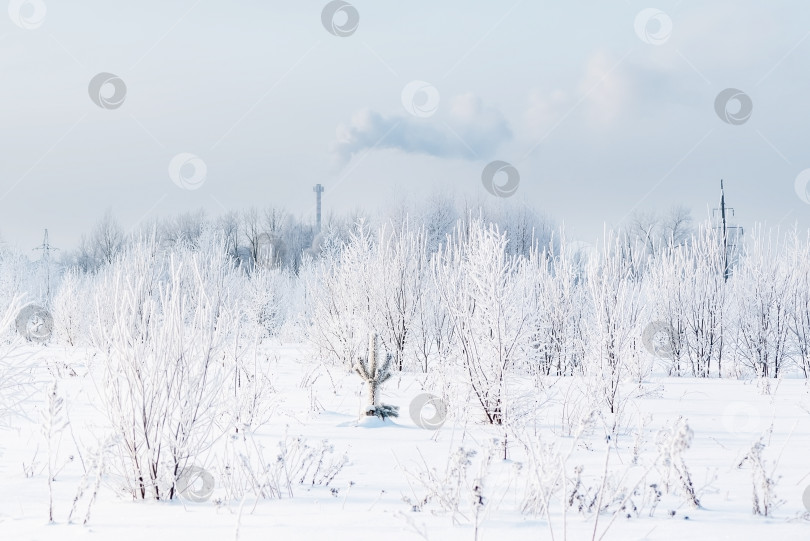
(267, 298)
(485, 292)
(799, 314)
(70, 309)
(341, 296)
(764, 300)
(17, 383)
(616, 307)
(17, 277)
(373, 282)
(248, 468)
(672, 443)
(401, 257)
(445, 488)
(432, 332)
(763, 482)
(558, 305)
(707, 304)
(162, 352)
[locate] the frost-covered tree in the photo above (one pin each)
(432, 332)
(251, 231)
(16, 276)
(267, 298)
(162, 329)
(661, 233)
(402, 268)
(616, 308)
(228, 225)
(525, 229)
(17, 368)
(485, 291)
(71, 311)
(107, 239)
(184, 228)
(558, 298)
(371, 281)
(342, 297)
(705, 303)
(762, 287)
(669, 290)
(799, 315)
(439, 215)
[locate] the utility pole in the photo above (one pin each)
(729, 243)
(318, 189)
(46, 259)
(725, 230)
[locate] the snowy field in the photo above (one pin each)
(453, 270)
(395, 387)
(401, 481)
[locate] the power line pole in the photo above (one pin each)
(46, 249)
(318, 189)
(729, 240)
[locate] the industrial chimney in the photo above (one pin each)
(318, 189)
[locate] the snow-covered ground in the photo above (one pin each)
(380, 493)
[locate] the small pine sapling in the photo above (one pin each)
(375, 374)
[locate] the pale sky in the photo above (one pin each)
(599, 112)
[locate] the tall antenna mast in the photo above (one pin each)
(318, 189)
(46, 258)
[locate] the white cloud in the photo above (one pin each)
(607, 89)
(603, 94)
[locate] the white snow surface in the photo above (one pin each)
(366, 500)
